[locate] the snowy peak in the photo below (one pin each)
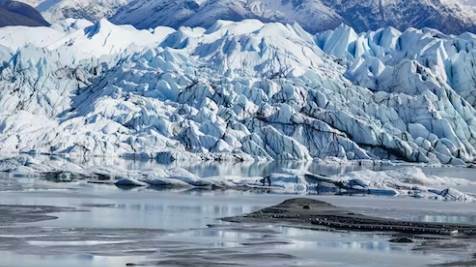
(235, 45)
(84, 40)
(105, 38)
(102, 26)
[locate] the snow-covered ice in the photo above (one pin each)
(239, 91)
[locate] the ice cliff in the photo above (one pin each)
(238, 90)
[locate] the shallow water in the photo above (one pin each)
(114, 227)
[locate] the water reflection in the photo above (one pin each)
(206, 169)
(115, 227)
(176, 229)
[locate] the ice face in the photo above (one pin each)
(238, 90)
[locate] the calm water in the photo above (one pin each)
(113, 227)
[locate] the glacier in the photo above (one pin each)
(243, 90)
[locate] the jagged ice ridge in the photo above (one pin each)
(238, 90)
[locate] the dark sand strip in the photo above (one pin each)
(12, 214)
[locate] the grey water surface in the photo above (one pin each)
(89, 224)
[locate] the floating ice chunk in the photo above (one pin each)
(452, 194)
(356, 184)
(187, 177)
(288, 182)
(129, 182)
(406, 181)
(383, 192)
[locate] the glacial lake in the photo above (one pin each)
(108, 226)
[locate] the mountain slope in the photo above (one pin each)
(313, 15)
(448, 16)
(237, 90)
(16, 13)
(58, 10)
(445, 15)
